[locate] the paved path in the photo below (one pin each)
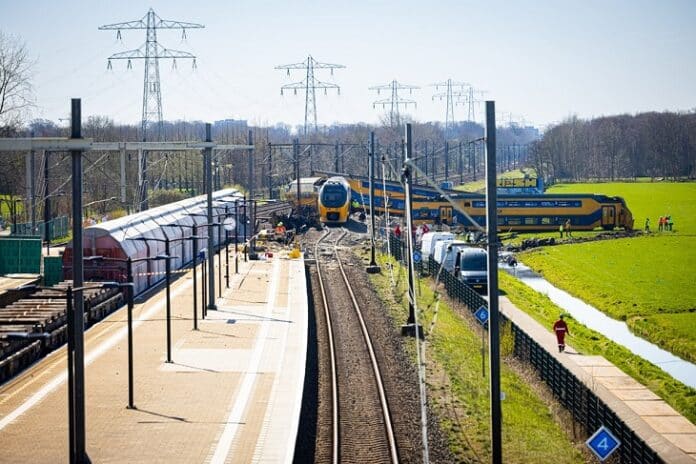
(665, 430)
(231, 394)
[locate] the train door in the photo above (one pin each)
(608, 217)
(446, 214)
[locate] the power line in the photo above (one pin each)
(151, 51)
(309, 84)
(395, 100)
(449, 94)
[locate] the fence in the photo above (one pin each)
(57, 227)
(586, 408)
(20, 255)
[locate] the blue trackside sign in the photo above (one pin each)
(481, 314)
(417, 256)
(603, 443)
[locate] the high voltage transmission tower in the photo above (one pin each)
(151, 51)
(309, 85)
(471, 100)
(449, 95)
(394, 101)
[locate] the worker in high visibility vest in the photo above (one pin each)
(561, 329)
(280, 232)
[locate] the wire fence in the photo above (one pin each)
(587, 409)
(57, 227)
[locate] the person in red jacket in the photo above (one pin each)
(561, 329)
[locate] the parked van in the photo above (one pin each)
(429, 241)
(446, 252)
(471, 267)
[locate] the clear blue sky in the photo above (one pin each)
(539, 60)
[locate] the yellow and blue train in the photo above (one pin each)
(544, 212)
(333, 201)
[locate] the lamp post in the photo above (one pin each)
(194, 240)
(76, 440)
(131, 295)
(205, 284)
(236, 237)
(167, 257)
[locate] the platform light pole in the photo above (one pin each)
(168, 269)
(208, 156)
(76, 433)
(236, 237)
(194, 250)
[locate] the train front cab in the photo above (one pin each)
(334, 202)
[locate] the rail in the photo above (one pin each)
(388, 426)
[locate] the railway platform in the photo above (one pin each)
(232, 392)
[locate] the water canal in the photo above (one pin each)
(617, 331)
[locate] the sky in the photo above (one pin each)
(541, 61)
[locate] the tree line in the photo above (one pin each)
(653, 144)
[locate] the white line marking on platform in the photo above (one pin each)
(242, 399)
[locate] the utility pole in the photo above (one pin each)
(449, 95)
(494, 315)
(309, 84)
(395, 100)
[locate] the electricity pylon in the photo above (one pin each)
(471, 100)
(449, 95)
(394, 101)
(151, 51)
(309, 85)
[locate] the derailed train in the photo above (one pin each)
(544, 212)
(126, 237)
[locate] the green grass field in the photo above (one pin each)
(459, 392)
(648, 199)
(646, 281)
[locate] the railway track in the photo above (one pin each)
(362, 430)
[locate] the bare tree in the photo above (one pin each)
(16, 93)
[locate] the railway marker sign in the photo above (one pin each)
(417, 256)
(481, 314)
(603, 443)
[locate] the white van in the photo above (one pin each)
(446, 251)
(472, 264)
(429, 241)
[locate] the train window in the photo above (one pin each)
(546, 220)
(513, 221)
(467, 204)
(529, 221)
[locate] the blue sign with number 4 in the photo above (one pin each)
(603, 443)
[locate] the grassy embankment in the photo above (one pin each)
(480, 185)
(646, 281)
(460, 394)
(589, 342)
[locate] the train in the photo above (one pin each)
(143, 235)
(522, 213)
(333, 202)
